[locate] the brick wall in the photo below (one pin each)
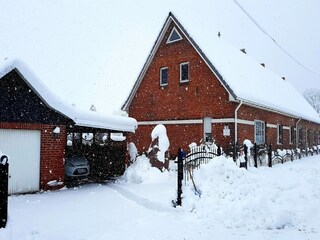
(52, 151)
(177, 101)
(193, 100)
(203, 96)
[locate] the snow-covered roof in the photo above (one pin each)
(248, 79)
(243, 77)
(80, 117)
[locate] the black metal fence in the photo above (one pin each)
(255, 156)
(265, 155)
(4, 169)
(202, 154)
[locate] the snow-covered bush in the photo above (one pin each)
(160, 132)
(133, 151)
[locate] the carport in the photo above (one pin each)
(34, 124)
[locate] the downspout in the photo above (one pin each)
(236, 122)
(297, 134)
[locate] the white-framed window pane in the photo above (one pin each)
(292, 135)
(184, 72)
(164, 76)
(280, 134)
(259, 132)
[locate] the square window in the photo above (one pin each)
(184, 72)
(163, 76)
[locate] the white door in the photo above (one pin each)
(23, 150)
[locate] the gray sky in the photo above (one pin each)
(91, 51)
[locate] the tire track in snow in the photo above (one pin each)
(146, 203)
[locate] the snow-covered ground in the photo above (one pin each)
(278, 203)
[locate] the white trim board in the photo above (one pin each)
(200, 121)
(194, 121)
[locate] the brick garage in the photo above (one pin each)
(183, 106)
(28, 109)
(51, 153)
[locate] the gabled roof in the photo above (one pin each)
(79, 117)
(244, 78)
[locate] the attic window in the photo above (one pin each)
(174, 36)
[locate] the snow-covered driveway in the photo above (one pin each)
(131, 210)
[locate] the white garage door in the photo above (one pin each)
(23, 149)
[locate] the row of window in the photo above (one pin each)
(259, 134)
(184, 74)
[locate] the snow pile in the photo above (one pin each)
(141, 171)
(160, 132)
(239, 198)
(133, 151)
(234, 204)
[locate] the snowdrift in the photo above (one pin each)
(260, 198)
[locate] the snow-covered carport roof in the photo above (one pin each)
(80, 118)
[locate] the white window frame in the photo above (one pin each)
(164, 84)
(292, 135)
(278, 134)
(180, 37)
(185, 80)
(263, 132)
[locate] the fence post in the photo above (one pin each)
(219, 151)
(270, 155)
(245, 149)
(255, 155)
(180, 176)
(4, 169)
(235, 151)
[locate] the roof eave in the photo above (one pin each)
(263, 107)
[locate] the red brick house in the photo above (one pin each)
(204, 90)
(33, 129)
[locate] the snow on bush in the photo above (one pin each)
(235, 197)
(160, 132)
(141, 171)
(192, 145)
(133, 151)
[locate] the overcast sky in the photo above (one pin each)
(91, 51)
